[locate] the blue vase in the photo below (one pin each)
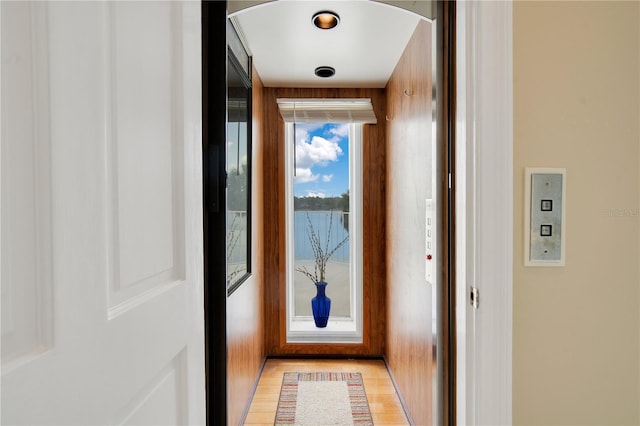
(321, 305)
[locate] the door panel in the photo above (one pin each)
(101, 213)
(26, 191)
(144, 225)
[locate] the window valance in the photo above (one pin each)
(319, 110)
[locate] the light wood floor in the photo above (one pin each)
(383, 401)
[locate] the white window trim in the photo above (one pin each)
(301, 329)
(485, 133)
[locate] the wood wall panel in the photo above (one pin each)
(374, 163)
(245, 348)
(410, 166)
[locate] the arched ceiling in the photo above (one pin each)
(364, 48)
(424, 8)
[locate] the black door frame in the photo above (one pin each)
(214, 117)
(446, 122)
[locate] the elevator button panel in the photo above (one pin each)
(544, 217)
(430, 240)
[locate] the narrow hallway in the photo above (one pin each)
(382, 398)
(394, 182)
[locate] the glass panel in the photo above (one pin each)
(321, 216)
(238, 177)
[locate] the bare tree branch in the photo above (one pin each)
(322, 255)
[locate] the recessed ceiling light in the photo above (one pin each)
(326, 20)
(325, 72)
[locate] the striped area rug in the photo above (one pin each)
(322, 399)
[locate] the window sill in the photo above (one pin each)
(338, 330)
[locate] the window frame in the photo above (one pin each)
(246, 80)
(301, 329)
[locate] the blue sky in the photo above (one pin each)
(322, 160)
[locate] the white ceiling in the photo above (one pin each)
(364, 49)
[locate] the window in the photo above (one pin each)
(238, 164)
(324, 202)
(323, 173)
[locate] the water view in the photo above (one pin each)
(331, 226)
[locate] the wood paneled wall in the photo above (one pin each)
(374, 148)
(245, 347)
(409, 183)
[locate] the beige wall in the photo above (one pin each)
(576, 105)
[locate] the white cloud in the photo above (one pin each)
(340, 131)
(318, 152)
(304, 175)
(327, 178)
(316, 194)
(304, 130)
(335, 133)
(302, 134)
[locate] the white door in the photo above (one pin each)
(101, 212)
